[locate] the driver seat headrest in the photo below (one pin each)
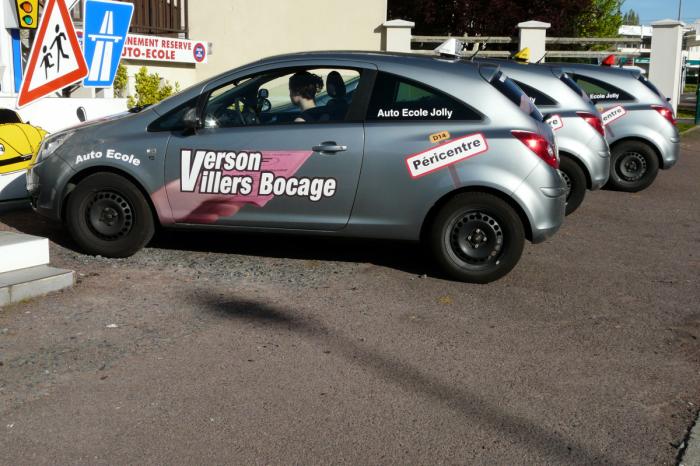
(335, 85)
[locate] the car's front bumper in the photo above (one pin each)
(46, 183)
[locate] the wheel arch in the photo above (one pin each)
(427, 221)
(582, 166)
(81, 175)
(642, 140)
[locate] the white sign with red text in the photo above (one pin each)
(613, 114)
(164, 49)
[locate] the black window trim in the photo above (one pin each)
(554, 101)
(425, 86)
(603, 84)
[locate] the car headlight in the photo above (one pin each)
(51, 144)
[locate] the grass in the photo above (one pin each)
(682, 127)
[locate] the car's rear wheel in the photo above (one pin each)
(575, 181)
(634, 166)
(107, 215)
(477, 237)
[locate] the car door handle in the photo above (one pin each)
(329, 147)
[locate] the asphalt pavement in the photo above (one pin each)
(220, 348)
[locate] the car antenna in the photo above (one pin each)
(542, 58)
(478, 46)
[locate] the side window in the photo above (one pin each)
(398, 99)
(290, 96)
(601, 91)
(174, 119)
(536, 96)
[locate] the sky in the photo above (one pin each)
(654, 10)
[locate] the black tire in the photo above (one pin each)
(576, 181)
(634, 166)
(470, 221)
(107, 215)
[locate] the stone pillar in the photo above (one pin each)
(665, 65)
(396, 36)
(533, 35)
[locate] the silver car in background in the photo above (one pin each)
(639, 122)
(381, 145)
(577, 124)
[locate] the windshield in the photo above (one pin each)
(516, 95)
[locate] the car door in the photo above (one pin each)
(258, 161)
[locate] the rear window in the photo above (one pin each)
(566, 79)
(651, 86)
(601, 91)
(398, 99)
(508, 88)
(537, 97)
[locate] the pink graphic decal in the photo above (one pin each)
(202, 204)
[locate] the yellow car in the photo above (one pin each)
(19, 144)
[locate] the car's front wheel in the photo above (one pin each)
(634, 166)
(107, 215)
(477, 237)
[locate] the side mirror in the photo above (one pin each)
(191, 120)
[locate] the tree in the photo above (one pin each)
(501, 17)
(150, 89)
(631, 18)
(602, 18)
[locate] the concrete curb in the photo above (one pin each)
(690, 130)
(691, 455)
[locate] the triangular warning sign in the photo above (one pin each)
(56, 60)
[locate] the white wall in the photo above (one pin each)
(56, 113)
(243, 31)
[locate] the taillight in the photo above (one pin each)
(665, 112)
(539, 145)
(594, 120)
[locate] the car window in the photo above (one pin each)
(516, 95)
(651, 86)
(566, 79)
(537, 97)
(9, 116)
(601, 91)
(174, 119)
(398, 99)
(306, 95)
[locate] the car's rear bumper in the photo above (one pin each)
(543, 197)
(670, 152)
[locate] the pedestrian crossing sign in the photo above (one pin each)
(104, 33)
(55, 60)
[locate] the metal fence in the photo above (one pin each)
(419, 43)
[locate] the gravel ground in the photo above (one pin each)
(222, 348)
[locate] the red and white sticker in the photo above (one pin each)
(446, 154)
(555, 122)
(613, 114)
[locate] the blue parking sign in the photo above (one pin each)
(105, 28)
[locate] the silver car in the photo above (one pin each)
(577, 124)
(639, 123)
(335, 143)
